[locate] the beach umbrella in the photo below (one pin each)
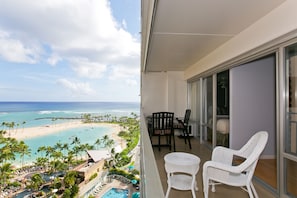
(131, 167)
(134, 181)
(136, 195)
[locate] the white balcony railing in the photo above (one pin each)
(151, 185)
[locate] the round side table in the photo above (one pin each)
(181, 171)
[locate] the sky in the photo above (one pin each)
(70, 50)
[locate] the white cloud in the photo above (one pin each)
(124, 72)
(13, 50)
(131, 82)
(53, 59)
(76, 88)
(124, 23)
(78, 34)
(87, 69)
(69, 29)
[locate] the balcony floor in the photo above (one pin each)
(204, 154)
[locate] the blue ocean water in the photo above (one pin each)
(85, 134)
(32, 114)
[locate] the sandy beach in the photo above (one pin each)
(27, 133)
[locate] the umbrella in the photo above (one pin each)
(134, 181)
(136, 195)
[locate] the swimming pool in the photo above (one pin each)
(116, 193)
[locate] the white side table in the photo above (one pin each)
(181, 171)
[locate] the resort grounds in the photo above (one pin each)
(21, 174)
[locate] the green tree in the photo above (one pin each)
(36, 182)
(97, 143)
(42, 162)
(70, 179)
(76, 143)
(5, 174)
(8, 149)
(23, 149)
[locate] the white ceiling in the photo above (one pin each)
(184, 31)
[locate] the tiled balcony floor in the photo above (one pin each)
(222, 191)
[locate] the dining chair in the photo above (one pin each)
(183, 125)
(162, 127)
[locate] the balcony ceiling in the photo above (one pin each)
(184, 31)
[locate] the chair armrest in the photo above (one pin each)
(180, 122)
(223, 155)
(222, 167)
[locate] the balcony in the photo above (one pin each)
(154, 182)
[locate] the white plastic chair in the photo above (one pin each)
(220, 168)
(181, 171)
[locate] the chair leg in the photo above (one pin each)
(170, 142)
(254, 190)
(187, 135)
(169, 185)
(173, 142)
(193, 193)
(249, 190)
(167, 192)
(189, 140)
(159, 143)
(205, 185)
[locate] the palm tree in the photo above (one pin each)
(10, 127)
(107, 141)
(36, 182)
(8, 149)
(3, 124)
(57, 165)
(69, 158)
(70, 178)
(48, 152)
(76, 142)
(5, 174)
(23, 124)
(97, 142)
(42, 162)
(23, 149)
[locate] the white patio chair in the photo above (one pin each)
(221, 168)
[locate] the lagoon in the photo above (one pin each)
(40, 114)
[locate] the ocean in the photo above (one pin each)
(33, 114)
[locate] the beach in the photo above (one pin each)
(31, 132)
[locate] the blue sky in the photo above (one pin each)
(70, 50)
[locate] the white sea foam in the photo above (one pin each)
(48, 112)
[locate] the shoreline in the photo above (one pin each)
(39, 131)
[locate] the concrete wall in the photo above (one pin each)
(164, 91)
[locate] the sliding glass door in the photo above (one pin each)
(207, 111)
(289, 160)
(194, 104)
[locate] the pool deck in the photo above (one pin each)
(116, 184)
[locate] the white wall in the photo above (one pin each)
(177, 93)
(164, 91)
(154, 92)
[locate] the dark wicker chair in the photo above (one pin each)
(162, 127)
(183, 125)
